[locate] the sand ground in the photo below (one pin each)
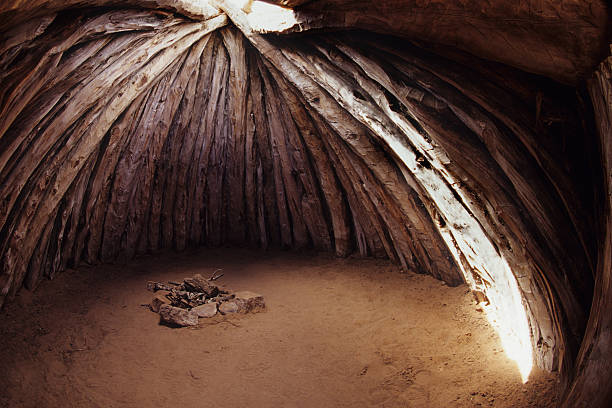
(336, 333)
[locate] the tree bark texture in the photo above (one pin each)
(123, 132)
(128, 131)
(591, 387)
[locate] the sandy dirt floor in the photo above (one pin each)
(336, 333)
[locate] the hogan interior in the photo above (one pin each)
(470, 141)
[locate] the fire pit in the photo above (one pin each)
(182, 304)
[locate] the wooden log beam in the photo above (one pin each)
(343, 94)
(14, 12)
(215, 209)
(325, 172)
(199, 164)
(593, 369)
(468, 153)
(233, 41)
(269, 212)
(81, 139)
(125, 131)
(309, 195)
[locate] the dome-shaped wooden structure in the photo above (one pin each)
(469, 141)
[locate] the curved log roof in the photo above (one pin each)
(149, 124)
(564, 40)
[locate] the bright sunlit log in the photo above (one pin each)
(506, 314)
(266, 17)
(504, 310)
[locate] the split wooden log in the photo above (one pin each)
(77, 145)
(374, 163)
(15, 12)
(124, 132)
(237, 98)
(299, 165)
(324, 171)
(593, 371)
(336, 81)
(200, 284)
(486, 195)
(199, 163)
(270, 216)
(288, 188)
(215, 214)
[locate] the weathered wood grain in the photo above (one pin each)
(124, 132)
(591, 386)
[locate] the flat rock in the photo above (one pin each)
(159, 299)
(207, 310)
(178, 316)
(249, 302)
(229, 307)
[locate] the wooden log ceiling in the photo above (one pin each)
(124, 131)
(190, 140)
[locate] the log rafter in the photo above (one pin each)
(124, 132)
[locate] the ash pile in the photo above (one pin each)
(182, 304)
